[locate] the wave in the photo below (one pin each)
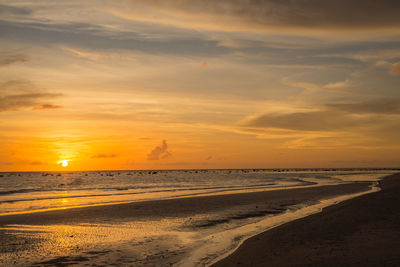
(26, 202)
(18, 191)
(176, 187)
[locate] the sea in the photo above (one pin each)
(152, 241)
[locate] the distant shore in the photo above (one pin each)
(363, 231)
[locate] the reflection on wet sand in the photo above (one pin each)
(174, 231)
(99, 243)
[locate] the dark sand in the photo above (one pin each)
(364, 231)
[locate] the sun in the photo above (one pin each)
(63, 163)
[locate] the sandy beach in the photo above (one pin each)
(110, 234)
(363, 231)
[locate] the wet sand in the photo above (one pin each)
(364, 231)
(219, 209)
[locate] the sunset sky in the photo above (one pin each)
(172, 84)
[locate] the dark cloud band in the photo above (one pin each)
(313, 14)
(331, 118)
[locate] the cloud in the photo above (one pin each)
(306, 121)
(46, 106)
(338, 87)
(104, 156)
(268, 14)
(36, 162)
(389, 51)
(330, 117)
(159, 152)
(81, 39)
(20, 101)
(393, 68)
(18, 94)
(13, 10)
(81, 53)
(376, 106)
(8, 59)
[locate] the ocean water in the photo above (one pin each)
(33, 191)
(148, 241)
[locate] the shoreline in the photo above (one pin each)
(279, 220)
(174, 228)
(166, 207)
(317, 239)
(205, 194)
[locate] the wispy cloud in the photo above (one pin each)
(18, 94)
(159, 152)
(338, 87)
(393, 68)
(46, 106)
(81, 53)
(348, 116)
(8, 59)
(20, 101)
(14, 10)
(104, 156)
(308, 121)
(376, 106)
(37, 162)
(233, 15)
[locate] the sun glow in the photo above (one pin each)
(63, 163)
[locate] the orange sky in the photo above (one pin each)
(227, 84)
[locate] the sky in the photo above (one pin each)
(182, 84)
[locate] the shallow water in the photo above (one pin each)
(151, 241)
(23, 192)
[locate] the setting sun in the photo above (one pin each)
(63, 163)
